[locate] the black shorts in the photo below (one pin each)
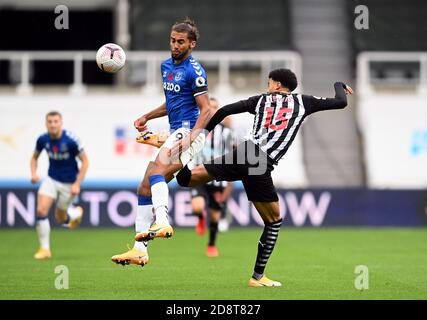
(250, 165)
(209, 191)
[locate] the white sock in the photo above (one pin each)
(143, 221)
(43, 231)
(160, 198)
(73, 212)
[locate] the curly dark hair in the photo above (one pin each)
(286, 77)
(187, 25)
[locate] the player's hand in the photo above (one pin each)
(348, 90)
(140, 124)
(75, 189)
(35, 179)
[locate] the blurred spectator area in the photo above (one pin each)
(26, 28)
(94, 23)
(393, 26)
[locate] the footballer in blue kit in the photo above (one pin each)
(188, 109)
(63, 182)
(182, 83)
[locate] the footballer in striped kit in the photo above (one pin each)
(278, 116)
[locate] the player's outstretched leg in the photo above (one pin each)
(265, 248)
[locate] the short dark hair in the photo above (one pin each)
(286, 77)
(187, 25)
(53, 113)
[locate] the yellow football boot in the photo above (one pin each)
(152, 139)
(43, 253)
(132, 256)
(263, 282)
(155, 231)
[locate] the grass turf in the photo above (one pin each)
(311, 263)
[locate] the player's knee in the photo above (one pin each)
(273, 217)
(42, 211)
(184, 177)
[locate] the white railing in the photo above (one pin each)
(224, 60)
(364, 78)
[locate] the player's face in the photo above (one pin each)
(54, 125)
(180, 45)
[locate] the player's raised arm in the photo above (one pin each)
(140, 123)
(314, 104)
(234, 108)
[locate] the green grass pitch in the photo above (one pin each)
(311, 263)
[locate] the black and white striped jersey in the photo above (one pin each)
(278, 117)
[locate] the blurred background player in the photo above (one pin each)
(278, 116)
(218, 142)
(63, 181)
(188, 109)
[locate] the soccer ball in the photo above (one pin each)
(110, 58)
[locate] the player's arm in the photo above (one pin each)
(206, 114)
(33, 165)
(33, 162)
(140, 123)
(75, 187)
(234, 108)
(314, 104)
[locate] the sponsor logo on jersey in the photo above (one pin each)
(170, 86)
(58, 156)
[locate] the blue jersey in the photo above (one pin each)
(182, 83)
(62, 155)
